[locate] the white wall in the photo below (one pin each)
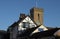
(27, 19)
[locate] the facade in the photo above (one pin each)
(26, 23)
(35, 19)
(12, 31)
(37, 15)
(31, 27)
(20, 27)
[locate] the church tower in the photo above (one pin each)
(37, 15)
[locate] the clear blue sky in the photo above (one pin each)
(11, 9)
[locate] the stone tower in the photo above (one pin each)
(37, 15)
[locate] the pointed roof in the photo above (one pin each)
(45, 33)
(24, 18)
(39, 29)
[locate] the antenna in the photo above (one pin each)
(36, 3)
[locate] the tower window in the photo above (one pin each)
(38, 16)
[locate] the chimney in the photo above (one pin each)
(22, 16)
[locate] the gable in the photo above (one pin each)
(43, 27)
(39, 29)
(26, 23)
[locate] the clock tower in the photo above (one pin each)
(37, 15)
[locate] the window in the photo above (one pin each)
(40, 29)
(38, 16)
(25, 24)
(32, 25)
